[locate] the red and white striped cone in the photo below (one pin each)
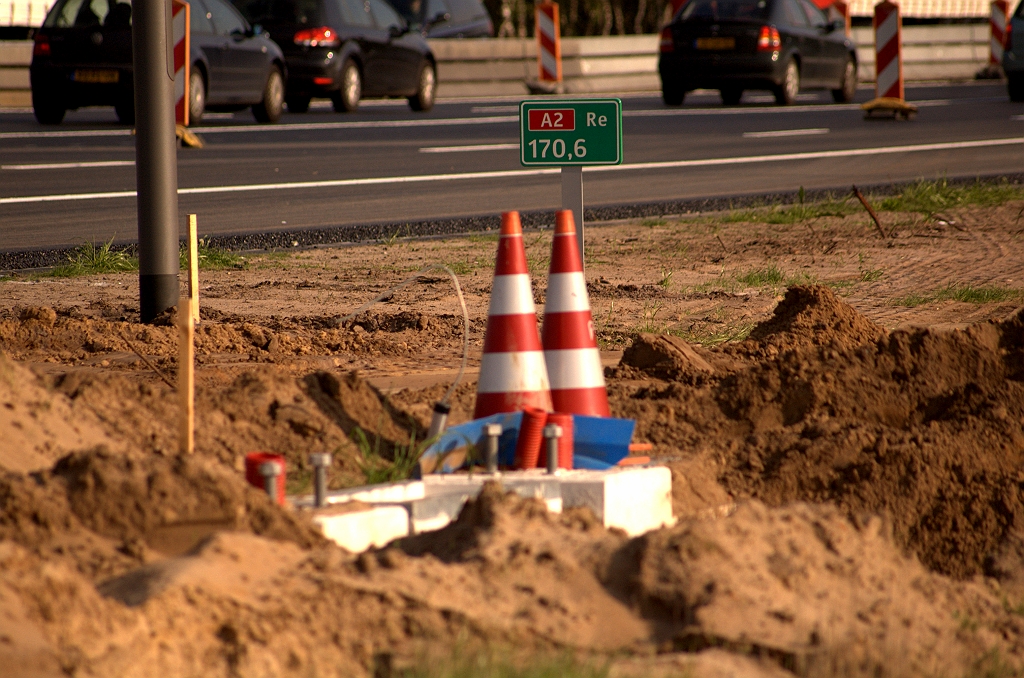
(570, 345)
(512, 370)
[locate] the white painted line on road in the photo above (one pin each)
(70, 165)
(513, 174)
(756, 110)
(67, 134)
(786, 133)
(1017, 117)
(467, 149)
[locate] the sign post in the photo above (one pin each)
(570, 134)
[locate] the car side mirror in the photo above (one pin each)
(239, 35)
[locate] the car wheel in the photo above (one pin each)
(672, 94)
(196, 96)
(785, 93)
(1014, 87)
(731, 95)
(848, 87)
(423, 100)
(125, 109)
(346, 99)
(48, 111)
(269, 110)
(298, 103)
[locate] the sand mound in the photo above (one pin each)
(814, 316)
(38, 425)
(104, 513)
(925, 426)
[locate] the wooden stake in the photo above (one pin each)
(186, 379)
(874, 217)
(193, 267)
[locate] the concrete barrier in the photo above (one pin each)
(624, 63)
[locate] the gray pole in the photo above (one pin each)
(156, 163)
(572, 199)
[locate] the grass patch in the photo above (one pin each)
(964, 293)
(791, 214)
(462, 267)
(482, 237)
(88, 259)
(211, 258)
(705, 336)
(652, 222)
(376, 469)
(489, 666)
(762, 277)
(929, 197)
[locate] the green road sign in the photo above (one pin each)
(570, 132)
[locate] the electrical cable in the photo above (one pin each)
(462, 302)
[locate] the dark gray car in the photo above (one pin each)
(83, 57)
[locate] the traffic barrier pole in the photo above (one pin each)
(180, 13)
(513, 374)
(549, 42)
(997, 43)
(888, 51)
(156, 163)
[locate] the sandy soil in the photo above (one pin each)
(845, 437)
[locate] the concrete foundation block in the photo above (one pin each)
(635, 500)
(360, 530)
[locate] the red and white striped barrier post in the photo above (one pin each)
(180, 35)
(513, 374)
(570, 345)
(888, 51)
(997, 43)
(549, 43)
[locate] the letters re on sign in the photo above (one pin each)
(573, 132)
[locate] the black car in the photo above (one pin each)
(732, 45)
(446, 18)
(83, 57)
(345, 50)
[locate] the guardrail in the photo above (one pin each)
(626, 63)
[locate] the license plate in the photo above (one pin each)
(100, 75)
(716, 43)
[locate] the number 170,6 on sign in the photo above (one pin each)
(576, 132)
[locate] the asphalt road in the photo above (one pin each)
(63, 185)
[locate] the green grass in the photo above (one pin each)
(483, 237)
(211, 258)
(488, 666)
(376, 469)
(962, 292)
(88, 259)
(652, 222)
(929, 197)
(762, 277)
(791, 214)
(707, 337)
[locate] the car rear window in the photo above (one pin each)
(725, 10)
(269, 12)
(84, 13)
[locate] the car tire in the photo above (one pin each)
(848, 86)
(786, 91)
(298, 103)
(196, 96)
(270, 109)
(346, 99)
(48, 111)
(672, 94)
(731, 95)
(125, 110)
(1014, 86)
(426, 89)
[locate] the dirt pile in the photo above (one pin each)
(923, 425)
(104, 513)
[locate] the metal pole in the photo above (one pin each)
(572, 199)
(552, 432)
(156, 163)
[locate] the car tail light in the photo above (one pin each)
(319, 80)
(769, 39)
(41, 46)
(668, 43)
(322, 36)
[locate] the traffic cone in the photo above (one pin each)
(570, 346)
(512, 370)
